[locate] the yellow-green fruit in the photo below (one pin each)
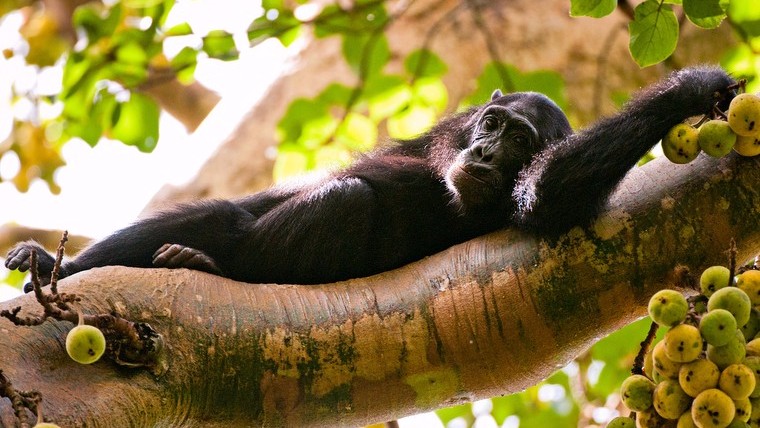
(716, 138)
(697, 376)
(734, 300)
(681, 144)
(753, 362)
(731, 353)
(637, 392)
(622, 422)
(738, 423)
(744, 114)
(753, 347)
(713, 279)
(737, 381)
(668, 308)
(683, 343)
(662, 364)
(718, 327)
(743, 409)
(46, 425)
(712, 409)
(747, 146)
(670, 400)
(685, 421)
(749, 282)
(85, 344)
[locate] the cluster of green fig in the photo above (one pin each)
(740, 132)
(705, 372)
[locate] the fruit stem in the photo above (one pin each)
(731, 262)
(638, 362)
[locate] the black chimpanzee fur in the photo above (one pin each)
(513, 161)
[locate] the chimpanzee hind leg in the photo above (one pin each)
(174, 256)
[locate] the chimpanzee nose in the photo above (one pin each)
(481, 153)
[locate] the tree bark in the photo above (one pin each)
(487, 317)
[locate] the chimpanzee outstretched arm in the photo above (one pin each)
(566, 184)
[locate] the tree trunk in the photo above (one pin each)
(490, 316)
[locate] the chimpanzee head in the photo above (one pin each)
(504, 136)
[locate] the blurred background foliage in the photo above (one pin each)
(100, 75)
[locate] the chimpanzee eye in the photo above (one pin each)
(490, 124)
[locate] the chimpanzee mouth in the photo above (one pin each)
(472, 176)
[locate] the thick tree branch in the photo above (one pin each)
(488, 317)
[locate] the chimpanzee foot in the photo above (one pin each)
(174, 256)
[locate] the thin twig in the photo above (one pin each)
(638, 362)
(731, 262)
(491, 47)
(58, 261)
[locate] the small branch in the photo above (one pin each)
(493, 50)
(625, 7)
(638, 362)
(20, 400)
(731, 262)
(601, 68)
(58, 260)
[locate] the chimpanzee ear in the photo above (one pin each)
(496, 94)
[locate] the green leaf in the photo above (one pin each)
(317, 132)
(219, 44)
(386, 95)
(424, 63)
(285, 28)
(131, 53)
(366, 54)
(335, 94)
(89, 132)
(129, 75)
(431, 92)
(74, 72)
(299, 112)
(271, 4)
(361, 19)
(411, 122)
(507, 405)
(654, 33)
(592, 8)
(96, 24)
(357, 133)
(746, 16)
(137, 122)
(182, 29)
(290, 162)
(184, 64)
(705, 13)
(448, 414)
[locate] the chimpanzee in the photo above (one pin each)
(511, 162)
